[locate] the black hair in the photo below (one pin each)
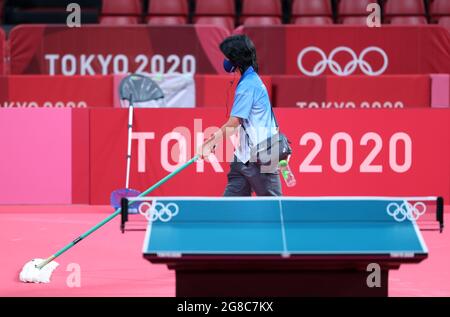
(241, 51)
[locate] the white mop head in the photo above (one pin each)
(31, 274)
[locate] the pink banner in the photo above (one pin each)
(440, 97)
(336, 152)
(324, 92)
(36, 162)
(351, 50)
(300, 50)
(63, 156)
(104, 50)
(352, 92)
(35, 91)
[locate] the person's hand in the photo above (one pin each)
(206, 148)
(201, 151)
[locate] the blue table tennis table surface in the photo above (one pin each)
(281, 226)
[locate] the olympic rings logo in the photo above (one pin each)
(158, 211)
(337, 69)
(406, 211)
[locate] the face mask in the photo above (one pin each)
(228, 66)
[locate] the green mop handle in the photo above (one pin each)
(117, 212)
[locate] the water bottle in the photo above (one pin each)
(286, 173)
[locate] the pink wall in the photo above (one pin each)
(36, 156)
(440, 90)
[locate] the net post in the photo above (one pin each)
(123, 213)
(440, 213)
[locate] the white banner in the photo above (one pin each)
(178, 89)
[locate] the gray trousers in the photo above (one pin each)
(243, 179)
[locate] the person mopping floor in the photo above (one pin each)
(251, 111)
(253, 115)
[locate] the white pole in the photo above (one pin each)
(130, 132)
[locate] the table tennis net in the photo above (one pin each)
(427, 212)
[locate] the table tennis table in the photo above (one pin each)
(284, 246)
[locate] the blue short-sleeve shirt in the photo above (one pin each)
(252, 106)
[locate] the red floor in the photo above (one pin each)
(112, 265)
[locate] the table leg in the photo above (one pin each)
(278, 283)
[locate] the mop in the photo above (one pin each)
(133, 88)
(40, 270)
